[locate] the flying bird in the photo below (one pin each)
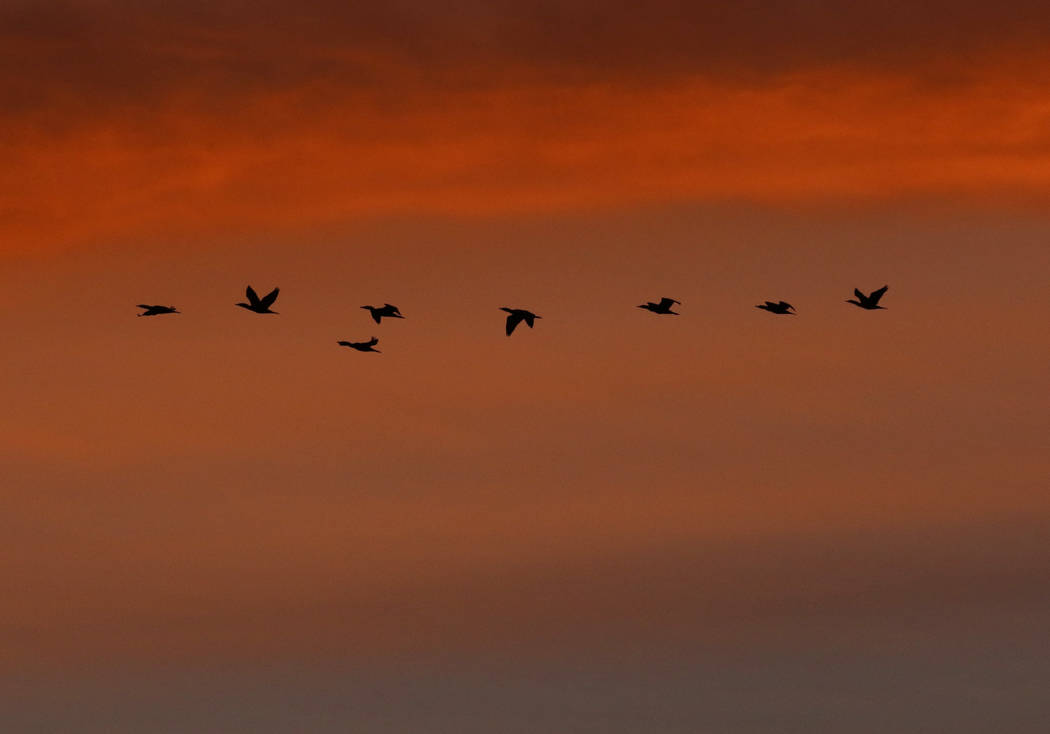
(260, 305)
(517, 315)
(663, 307)
(781, 307)
(869, 302)
(362, 346)
(387, 309)
(156, 310)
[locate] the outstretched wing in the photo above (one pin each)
(876, 295)
(860, 296)
(372, 342)
(376, 316)
(512, 322)
(785, 304)
(770, 304)
(392, 308)
(529, 319)
(269, 298)
(666, 302)
(253, 297)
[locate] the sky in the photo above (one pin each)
(614, 522)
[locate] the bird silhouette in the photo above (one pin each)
(362, 346)
(781, 307)
(260, 305)
(387, 309)
(517, 315)
(156, 310)
(663, 307)
(869, 302)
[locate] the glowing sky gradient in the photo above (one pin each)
(220, 522)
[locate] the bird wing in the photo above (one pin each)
(269, 298)
(860, 296)
(666, 302)
(770, 304)
(253, 297)
(376, 316)
(391, 308)
(876, 295)
(143, 305)
(785, 304)
(512, 322)
(372, 342)
(344, 344)
(529, 318)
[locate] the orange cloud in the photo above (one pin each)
(325, 154)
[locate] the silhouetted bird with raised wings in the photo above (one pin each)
(781, 307)
(156, 310)
(869, 302)
(260, 305)
(517, 315)
(362, 346)
(663, 307)
(387, 309)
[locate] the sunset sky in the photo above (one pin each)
(723, 521)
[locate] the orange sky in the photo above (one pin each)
(322, 155)
(195, 123)
(223, 489)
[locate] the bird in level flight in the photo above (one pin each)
(517, 315)
(869, 302)
(260, 305)
(781, 307)
(156, 310)
(387, 309)
(663, 307)
(362, 346)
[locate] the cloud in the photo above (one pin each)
(138, 48)
(326, 153)
(131, 120)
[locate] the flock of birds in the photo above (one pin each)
(515, 316)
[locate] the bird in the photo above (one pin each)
(260, 305)
(362, 346)
(869, 302)
(387, 309)
(156, 310)
(783, 307)
(663, 307)
(517, 315)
